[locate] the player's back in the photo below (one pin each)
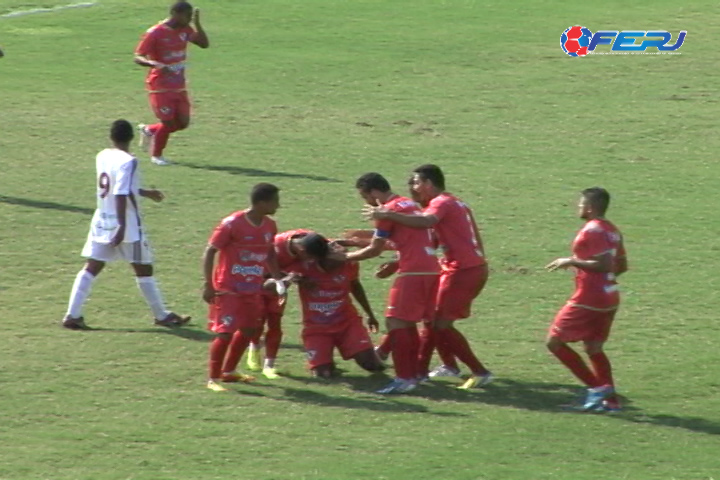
(414, 245)
(116, 174)
(457, 232)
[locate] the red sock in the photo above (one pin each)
(457, 344)
(238, 345)
(574, 362)
(273, 337)
(160, 139)
(218, 347)
(427, 346)
(385, 345)
(602, 368)
(405, 344)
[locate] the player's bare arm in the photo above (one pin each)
(601, 263)
(379, 212)
(387, 269)
(152, 194)
(376, 247)
(121, 209)
(200, 38)
(209, 292)
(358, 292)
(144, 61)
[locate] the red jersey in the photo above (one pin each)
(169, 46)
(285, 257)
(597, 290)
(244, 249)
(456, 232)
(327, 306)
(414, 245)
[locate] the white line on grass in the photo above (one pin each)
(32, 11)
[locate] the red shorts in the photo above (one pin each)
(350, 341)
(457, 290)
(412, 298)
(228, 313)
(575, 324)
(168, 106)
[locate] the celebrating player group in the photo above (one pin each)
(248, 266)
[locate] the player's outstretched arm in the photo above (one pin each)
(376, 247)
(200, 38)
(412, 220)
(358, 292)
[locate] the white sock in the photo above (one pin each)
(149, 288)
(269, 363)
(80, 292)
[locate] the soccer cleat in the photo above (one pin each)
(254, 359)
(611, 405)
(160, 161)
(74, 323)
(595, 397)
(270, 373)
(477, 381)
(398, 385)
(172, 320)
(444, 371)
(423, 379)
(145, 137)
(235, 377)
(215, 386)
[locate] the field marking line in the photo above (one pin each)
(32, 11)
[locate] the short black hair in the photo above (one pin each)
(599, 199)
(263, 192)
(372, 181)
(121, 131)
(433, 173)
(315, 245)
(181, 7)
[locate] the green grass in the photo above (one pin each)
(309, 95)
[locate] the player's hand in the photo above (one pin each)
(154, 195)
(387, 269)
(373, 325)
(559, 263)
(196, 18)
(209, 293)
(119, 236)
(375, 212)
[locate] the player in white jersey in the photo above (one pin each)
(116, 231)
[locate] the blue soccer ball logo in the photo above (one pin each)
(575, 40)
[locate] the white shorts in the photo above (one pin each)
(133, 252)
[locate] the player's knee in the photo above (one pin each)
(553, 343)
(182, 123)
(368, 360)
(591, 348)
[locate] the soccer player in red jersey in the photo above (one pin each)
(330, 319)
(163, 49)
(412, 296)
(598, 255)
(233, 287)
(288, 250)
(464, 268)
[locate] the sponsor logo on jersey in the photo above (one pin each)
(248, 270)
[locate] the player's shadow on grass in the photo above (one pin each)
(26, 202)
(197, 335)
(257, 172)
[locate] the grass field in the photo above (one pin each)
(309, 95)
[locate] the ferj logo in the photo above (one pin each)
(578, 41)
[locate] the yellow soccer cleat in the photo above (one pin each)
(235, 377)
(254, 359)
(270, 373)
(215, 386)
(477, 381)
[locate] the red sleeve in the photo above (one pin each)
(437, 207)
(222, 235)
(147, 44)
(594, 242)
(383, 228)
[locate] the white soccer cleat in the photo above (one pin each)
(145, 137)
(444, 371)
(160, 161)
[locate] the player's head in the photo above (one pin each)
(315, 246)
(121, 132)
(411, 190)
(429, 179)
(372, 187)
(265, 198)
(594, 202)
(181, 13)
